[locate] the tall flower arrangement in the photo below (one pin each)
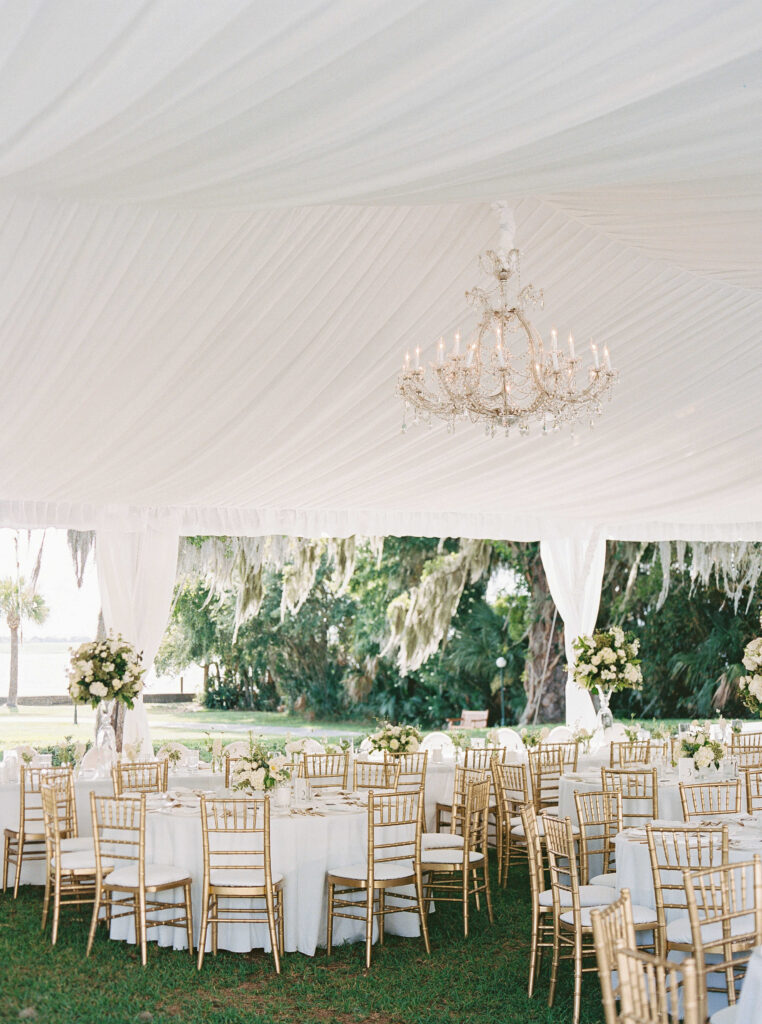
(397, 739)
(109, 669)
(750, 686)
(608, 660)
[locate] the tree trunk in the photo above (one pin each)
(13, 678)
(544, 678)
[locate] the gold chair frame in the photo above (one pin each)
(221, 819)
(599, 813)
(449, 870)
(451, 815)
(542, 916)
(637, 785)
(70, 885)
(326, 771)
(140, 777)
(710, 799)
(546, 766)
(412, 770)
(753, 786)
(656, 991)
(721, 897)
(511, 788)
(375, 775)
(394, 838)
(612, 925)
(671, 849)
(629, 752)
(27, 842)
(119, 833)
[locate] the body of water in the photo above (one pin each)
(43, 667)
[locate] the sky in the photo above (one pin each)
(73, 612)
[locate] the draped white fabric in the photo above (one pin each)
(574, 568)
(136, 575)
(221, 225)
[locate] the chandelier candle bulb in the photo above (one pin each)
(571, 348)
(554, 340)
(594, 350)
(418, 358)
(607, 358)
(456, 350)
(555, 357)
(440, 351)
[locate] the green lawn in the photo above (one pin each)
(479, 980)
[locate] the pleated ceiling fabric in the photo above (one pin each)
(222, 225)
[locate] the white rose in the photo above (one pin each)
(257, 778)
(704, 757)
(755, 687)
(98, 689)
(412, 744)
(394, 744)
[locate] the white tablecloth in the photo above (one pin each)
(750, 1004)
(586, 781)
(303, 850)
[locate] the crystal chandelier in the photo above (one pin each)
(506, 376)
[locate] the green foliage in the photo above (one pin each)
(19, 601)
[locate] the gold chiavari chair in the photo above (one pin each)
(672, 849)
(542, 907)
(124, 879)
(725, 918)
(632, 752)
(656, 991)
(600, 821)
(710, 799)
(450, 816)
(141, 777)
(611, 925)
(568, 754)
(572, 935)
(326, 771)
(481, 759)
(70, 874)
(546, 766)
(744, 740)
(393, 861)
(235, 832)
(377, 775)
(450, 871)
(511, 792)
(753, 785)
(412, 770)
(640, 793)
(231, 763)
(748, 757)
(27, 842)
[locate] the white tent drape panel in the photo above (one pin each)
(574, 567)
(136, 574)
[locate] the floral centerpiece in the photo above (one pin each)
(583, 738)
(397, 739)
(259, 770)
(750, 687)
(607, 662)
(102, 672)
(533, 739)
(171, 752)
(697, 745)
(107, 669)
(461, 741)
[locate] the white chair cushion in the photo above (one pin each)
(77, 859)
(608, 879)
(679, 931)
(76, 843)
(641, 916)
(589, 896)
(156, 874)
(253, 877)
(726, 1015)
(441, 840)
(451, 856)
(383, 872)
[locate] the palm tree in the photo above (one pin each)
(18, 601)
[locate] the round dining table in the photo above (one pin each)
(306, 841)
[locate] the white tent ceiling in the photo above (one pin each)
(222, 224)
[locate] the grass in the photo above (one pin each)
(479, 980)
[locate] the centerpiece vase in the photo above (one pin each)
(105, 737)
(604, 718)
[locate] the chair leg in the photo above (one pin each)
(476, 891)
(329, 933)
(188, 916)
(465, 903)
(6, 859)
(381, 908)
(554, 966)
(19, 860)
(143, 927)
(369, 925)
(422, 913)
(281, 924)
(215, 923)
(56, 908)
(533, 951)
(204, 926)
(46, 901)
(488, 893)
(272, 929)
(94, 920)
(577, 975)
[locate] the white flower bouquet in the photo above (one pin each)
(259, 769)
(698, 745)
(750, 687)
(533, 739)
(107, 669)
(397, 739)
(608, 660)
